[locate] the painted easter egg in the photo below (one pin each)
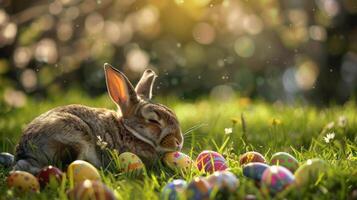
(81, 170)
(211, 161)
(276, 179)
(310, 171)
(130, 162)
(23, 181)
(91, 190)
(198, 189)
(286, 160)
(48, 175)
(254, 170)
(251, 156)
(6, 159)
(174, 190)
(223, 184)
(177, 160)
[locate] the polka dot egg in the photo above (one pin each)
(130, 162)
(286, 160)
(81, 170)
(177, 160)
(211, 161)
(23, 181)
(276, 179)
(174, 190)
(198, 189)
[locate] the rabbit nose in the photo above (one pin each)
(178, 144)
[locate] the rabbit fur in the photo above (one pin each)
(72, 132)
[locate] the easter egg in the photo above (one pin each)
(177, 160)
(91, 190)
(22, 181)
(254, 170)
(251, 156)
(6, 159)
(276, 179)
(198, 189)
(48, 175)
(211, 161)
(286, 160)
(223, 184)
(309, 171)
(174, 190)
(130, 162)
(81, 170)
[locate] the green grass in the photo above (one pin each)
(266, 128)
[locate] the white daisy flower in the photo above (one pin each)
(329, 137)
(228, 130)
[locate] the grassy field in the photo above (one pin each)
(266, 128)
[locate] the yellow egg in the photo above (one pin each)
(130, 162)
(23, 181)
(177, 160)
(81, 170)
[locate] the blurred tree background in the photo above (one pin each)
(278, 50)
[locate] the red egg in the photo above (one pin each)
(251, 156)
(48, 175)
(211, 161)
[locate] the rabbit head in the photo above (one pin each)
(152, 123)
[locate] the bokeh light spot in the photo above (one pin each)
(244, 47)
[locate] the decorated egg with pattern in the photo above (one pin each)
(211, 161)
(174, 190)
(310, 171)
(198, 189)
(22, 181)
(276, 179)
(254, 170)
(130, 162)
(223, 182)
(81, 170)
(286, 160)
(48, 175)
(251, 156)
(177, 160)
(91, 190)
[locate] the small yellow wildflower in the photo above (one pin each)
(275, 122)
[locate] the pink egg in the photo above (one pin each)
(211, 161)
(277, 178)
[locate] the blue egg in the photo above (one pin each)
(254, 170)
(173, 190)
(6, 159)
(198, 189)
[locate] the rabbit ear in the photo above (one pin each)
(120, 89)
(144, 86)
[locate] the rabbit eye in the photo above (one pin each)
(154, 121)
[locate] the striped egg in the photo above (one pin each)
(251, 156)
(198, 189)
(22, 181)
(177, 160)
(211, 161)
(91, 190)
(276, 179)
(254, 170)
(174, 190)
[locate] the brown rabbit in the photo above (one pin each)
(72, 132)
